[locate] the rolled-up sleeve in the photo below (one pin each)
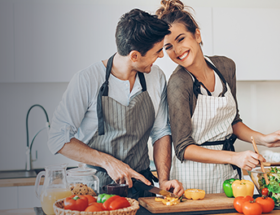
(161, 125)
(69, 113)
(179, 96)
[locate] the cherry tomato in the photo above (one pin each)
(251, 208)
(238, 201)
(265, 191)
(266, 203)
(94, 207)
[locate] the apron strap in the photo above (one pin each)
(228, 146)
(104, 92)
(197, 84)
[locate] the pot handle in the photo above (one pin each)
(37, 182)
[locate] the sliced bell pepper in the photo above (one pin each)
(242, 188)
(77, 203)
(227, 186)
(194, 194)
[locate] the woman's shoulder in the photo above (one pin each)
(224, 64)
(180, 77)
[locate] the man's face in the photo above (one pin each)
(144, 64)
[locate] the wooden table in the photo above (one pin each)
(30, 211)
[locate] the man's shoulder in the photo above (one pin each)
(93, 72)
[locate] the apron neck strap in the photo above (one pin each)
(197, 84)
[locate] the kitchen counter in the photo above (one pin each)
(15, 182)
(141, 211)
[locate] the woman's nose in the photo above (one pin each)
(161, 54)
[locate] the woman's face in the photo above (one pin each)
(182, 46)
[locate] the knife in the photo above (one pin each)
(139, 185)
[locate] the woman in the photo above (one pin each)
(203, 109)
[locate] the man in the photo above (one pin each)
(110, 109)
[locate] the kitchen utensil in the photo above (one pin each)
(211, 202)
(83, 175)
(262, 167)
(55, 186)
(139, 185)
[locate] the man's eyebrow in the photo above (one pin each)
(159, 51)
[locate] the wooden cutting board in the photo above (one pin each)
(217, 201)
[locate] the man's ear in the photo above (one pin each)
(134, 56)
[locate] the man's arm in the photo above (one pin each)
(116, 169)
(162, 158)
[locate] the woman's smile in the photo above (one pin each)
(183, 56)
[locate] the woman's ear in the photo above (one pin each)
(198, 36)
(134, 56)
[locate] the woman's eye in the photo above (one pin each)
(182, 38)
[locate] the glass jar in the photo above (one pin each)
(78, 177)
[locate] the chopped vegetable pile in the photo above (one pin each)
(273, 186)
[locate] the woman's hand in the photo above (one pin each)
(271, 140)
(173, 186)
(247, 160)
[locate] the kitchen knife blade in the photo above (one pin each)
(139, 185)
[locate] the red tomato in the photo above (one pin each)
(75, 202)
(119, 203)
(238, 201)
(266, 203)
(90, 198)
(94, 207)
(107, 203)
(265, 191)
(251, 208)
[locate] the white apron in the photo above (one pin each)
(211, 121)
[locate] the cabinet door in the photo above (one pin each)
(8, 198)
(55, 39)
(6, 42)
(27, 197)
(249, 37)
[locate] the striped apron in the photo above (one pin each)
(212, 129)
(123, 131)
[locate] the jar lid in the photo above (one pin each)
(82, 170)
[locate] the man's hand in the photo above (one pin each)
(173, 185)
(121, 173)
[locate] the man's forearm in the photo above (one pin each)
(162, 157)
(78, 151)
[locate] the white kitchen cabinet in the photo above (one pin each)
(55, 39)
(27, 197)
(6, 42)
(249, 37)
(8, 198)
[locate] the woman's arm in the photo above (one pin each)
(244, 133)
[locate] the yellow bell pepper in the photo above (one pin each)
(242, 188)
(194, 194)
(168, 200)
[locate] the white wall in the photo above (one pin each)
(259, 101)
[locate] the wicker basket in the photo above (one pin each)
(59, 209)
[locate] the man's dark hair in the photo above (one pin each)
(138, 30)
